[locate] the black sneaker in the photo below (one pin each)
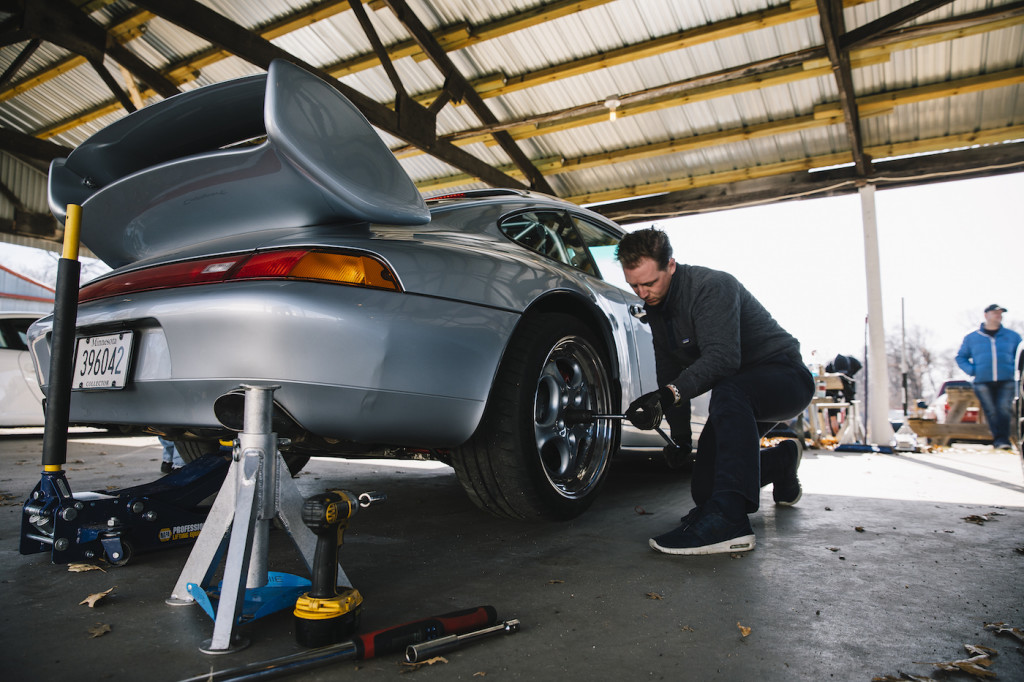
(786, 489)
(710, 533)
(166, 468)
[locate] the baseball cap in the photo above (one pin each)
(995, 306)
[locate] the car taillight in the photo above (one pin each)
(294, 264)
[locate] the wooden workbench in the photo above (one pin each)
(959, 399)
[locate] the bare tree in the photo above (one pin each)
(926, 369)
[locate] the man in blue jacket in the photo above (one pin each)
(988, 355)
(709, 332)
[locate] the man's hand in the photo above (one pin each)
(645, 412)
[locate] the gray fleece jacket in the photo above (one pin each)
(709, 327)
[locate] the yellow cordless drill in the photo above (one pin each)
(325, 615)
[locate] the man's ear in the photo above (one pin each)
(671, 266)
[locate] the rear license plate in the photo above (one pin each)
(101, 362)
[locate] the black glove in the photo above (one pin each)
(645, 412)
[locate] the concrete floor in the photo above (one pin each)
(873, 573)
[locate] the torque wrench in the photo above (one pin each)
(415, 653)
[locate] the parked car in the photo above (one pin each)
(260, 231)
(21, 401)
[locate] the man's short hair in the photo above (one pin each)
(649, 243)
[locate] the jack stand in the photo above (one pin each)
(257, 490)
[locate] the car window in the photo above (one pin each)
(14, 333)
(550, 234)
(602, 244)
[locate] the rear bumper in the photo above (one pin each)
(352, 364)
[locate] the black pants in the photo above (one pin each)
(743, 408)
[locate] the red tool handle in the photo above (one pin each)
(394, 639)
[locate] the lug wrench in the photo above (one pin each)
(588, 417)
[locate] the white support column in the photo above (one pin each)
(879, 431)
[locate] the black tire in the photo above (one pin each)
(524, 461)
(194, 449)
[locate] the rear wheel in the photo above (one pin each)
(525, 461)
(194, 449)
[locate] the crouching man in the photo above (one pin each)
(710, 333)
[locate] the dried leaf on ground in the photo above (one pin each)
(1003, 627)
(902, 677)
(93, 598)
(979, 519)
(654, 595)
(555, 582)
(480, 673)
(976, 665)
(744, 630)
(687, 628)
(98, 630)
(859, 529)
(81, 568)
(7, 499)
(641, 511)
(833, 549)
(409, 667)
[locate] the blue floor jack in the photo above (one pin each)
(115, 525)
(112, 525)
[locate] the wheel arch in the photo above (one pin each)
(582, 308)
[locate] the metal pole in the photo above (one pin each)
(903, 354)
(879, 429)
(62, 346)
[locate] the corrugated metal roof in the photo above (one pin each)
(619, 39)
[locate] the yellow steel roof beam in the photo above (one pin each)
(451, 38)
(886, 101)
(811, 69)
(824, 115)
(123, 31)
(935, 144)
(463, 35)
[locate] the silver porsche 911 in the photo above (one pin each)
(261, 232)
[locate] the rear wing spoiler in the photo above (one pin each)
(182, 171)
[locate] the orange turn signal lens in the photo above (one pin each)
(344, 268)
